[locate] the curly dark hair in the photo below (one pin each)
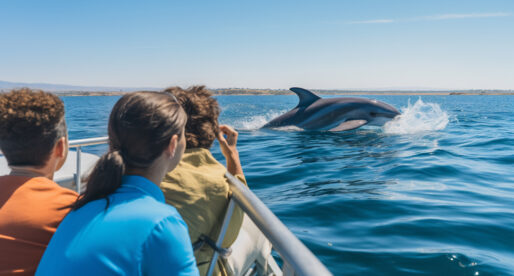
(31, 122)
(202, 111)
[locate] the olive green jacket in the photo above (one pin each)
(197, 187)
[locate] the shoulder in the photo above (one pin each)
(142, 208)
(163, 213)
(54, 193)
(38, 189)
(199, 164)
(168, 249)
(38, 183)
(169, 233)
(38, 201)
(173, 222)
(199, 157)
(194, 177)
(45, 184)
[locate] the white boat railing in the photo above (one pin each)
(297, 258)
(79, 144)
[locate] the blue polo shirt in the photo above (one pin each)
(138, 234)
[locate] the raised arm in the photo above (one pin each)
(228, 147)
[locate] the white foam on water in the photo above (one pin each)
(416, 118)
(256, 122)
(289, 128)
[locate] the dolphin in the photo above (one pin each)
(334, 114)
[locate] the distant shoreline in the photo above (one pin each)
(267, 92)
(340, 93)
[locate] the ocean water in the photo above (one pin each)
(431, 193)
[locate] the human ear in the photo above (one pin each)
(170, 150)
(60, 152)
(61, 148)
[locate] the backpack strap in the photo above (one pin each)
(203, 239)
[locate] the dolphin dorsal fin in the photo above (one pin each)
(306, 96)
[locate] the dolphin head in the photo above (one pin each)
(380, 113)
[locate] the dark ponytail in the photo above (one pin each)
(106, 175)
(141, 126)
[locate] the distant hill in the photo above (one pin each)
(249, 91)
(5, 86)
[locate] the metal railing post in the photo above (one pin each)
(79, 144)
(78, 173)
(223, 231)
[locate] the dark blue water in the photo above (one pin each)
(372, 201)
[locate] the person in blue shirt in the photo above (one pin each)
(121, 225)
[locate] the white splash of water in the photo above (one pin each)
(418, 118)
(288, 128)
(256, 122)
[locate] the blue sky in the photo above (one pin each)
(260, 44)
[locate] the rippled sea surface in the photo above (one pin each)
(435, 198)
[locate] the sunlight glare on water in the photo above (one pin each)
(418, 118)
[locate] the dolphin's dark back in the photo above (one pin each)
(313, 112)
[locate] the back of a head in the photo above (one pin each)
(141, 126)
(202, 111)
(31, 123)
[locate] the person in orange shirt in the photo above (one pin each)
(33, 139)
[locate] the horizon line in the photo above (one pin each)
(388, 88)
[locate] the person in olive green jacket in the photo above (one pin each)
(197, 187)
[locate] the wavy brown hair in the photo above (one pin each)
(31, 122)
(202, 111)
